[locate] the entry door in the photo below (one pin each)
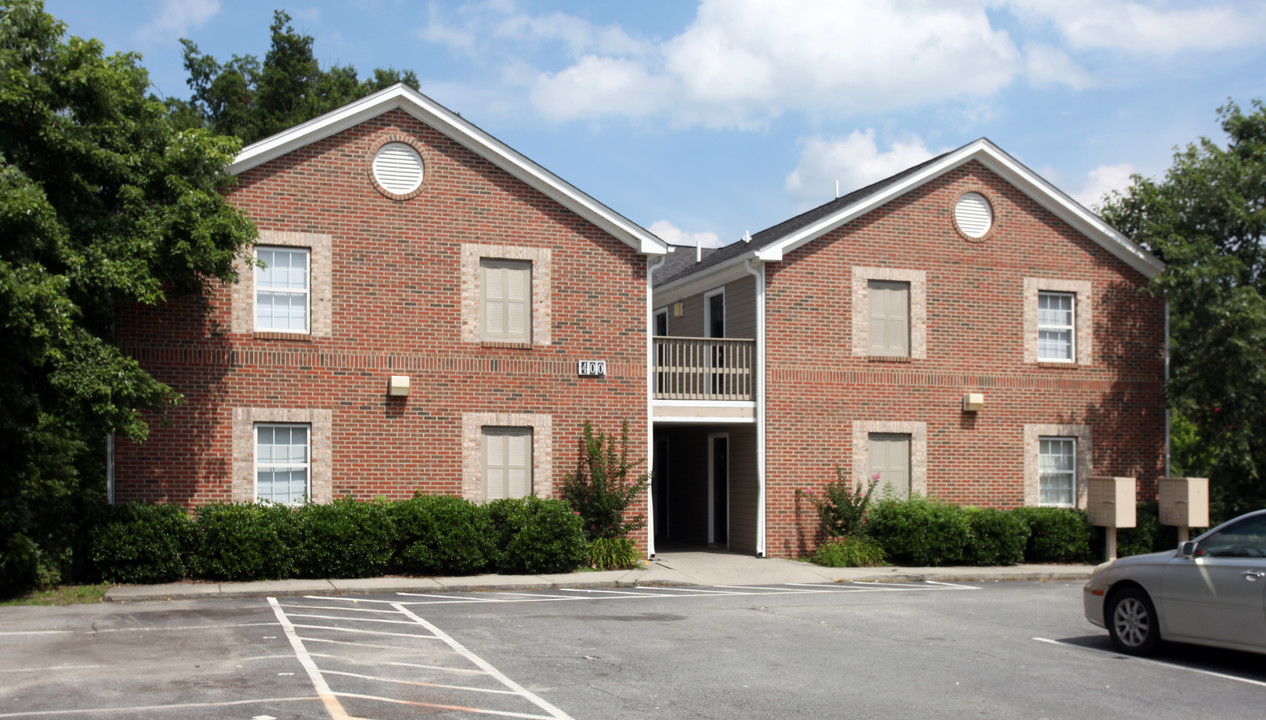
(714, 325)
(890, 458)
(659, 488)
(719, 489)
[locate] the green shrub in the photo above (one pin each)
(842, 507)
(344, 539)
(997, 537)
(919, 531)
(244, 541)
(1056, 535)
(442, 535)
(536, 536)
(849, 552)
(603, 487)
(1147, 536)
(142, 543)
(613, 554)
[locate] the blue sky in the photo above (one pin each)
(702, 120)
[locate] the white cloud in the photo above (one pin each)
(1048, 65)
(176, 18)
(674, 235)
(579, 35)
(599, 86)
(855, 161)
(1149, 29)
(1103, 180)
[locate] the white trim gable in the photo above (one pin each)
(426, 110)
(1006, 167)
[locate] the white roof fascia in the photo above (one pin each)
(405, 98)
(713, 277)
(992, 157)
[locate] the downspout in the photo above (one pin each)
(110, 468)
(651, 267)
(1168, 410)
(759, 274)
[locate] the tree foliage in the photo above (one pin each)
(102, 203)
(1207, 220)
(250, 100)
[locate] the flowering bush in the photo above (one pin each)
(843, 505)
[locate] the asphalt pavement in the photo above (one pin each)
(692, 567)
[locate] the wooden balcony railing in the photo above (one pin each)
(705, 368)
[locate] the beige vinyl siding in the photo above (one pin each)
(740, 312)
(744, 488)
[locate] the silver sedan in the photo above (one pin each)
(1210, 591)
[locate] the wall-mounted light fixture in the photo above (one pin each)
(973, 402)
(399, 386)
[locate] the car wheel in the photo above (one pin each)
(1132, 622)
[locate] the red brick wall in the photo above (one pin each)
(396, 310)
(817, 387)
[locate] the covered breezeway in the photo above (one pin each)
(705, 489)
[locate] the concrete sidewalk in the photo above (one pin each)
(689, 567)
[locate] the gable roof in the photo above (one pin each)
(403, 97)
(772, 244)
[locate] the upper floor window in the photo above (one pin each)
(889, 330)
(1056, 331)
(506, 289)
(282, 287)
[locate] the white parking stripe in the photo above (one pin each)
(418, 666)
(445, 597)
(1198, 671)
(331, 703)
(437, 706)
(488, 668)
(97, 631)
(362, 632)
(154, 708)
(339, 608)
(418, 683)
(350, 619)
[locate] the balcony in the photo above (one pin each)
(705, 369)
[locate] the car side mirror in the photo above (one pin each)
(1187, 549)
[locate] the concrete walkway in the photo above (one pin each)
(684, 567)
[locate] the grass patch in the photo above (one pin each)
(63, 595)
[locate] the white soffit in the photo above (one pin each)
(450, 124)
(1006, 167)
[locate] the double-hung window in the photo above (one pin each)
(282, 288)
(507, 466)
(1056, 334)
(1057, 471)
(889, 329)
(282, 462)
(506, 286)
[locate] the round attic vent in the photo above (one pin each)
(973, 215)
(398, 168)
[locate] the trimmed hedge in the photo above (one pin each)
(441, 535)
(996, 537)
(345, 539)
(142, 543)
(251, 541)
(850, 551)
(537, 536)
(919, 531)
(1056, 535)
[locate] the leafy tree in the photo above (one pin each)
(252, 100)
(604, 486)
(102, 204)
(1207, 220)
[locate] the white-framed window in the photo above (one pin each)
(506, 289)
(283, 462)
(889, 311)
(1056, 330)
(282, 288)
(1057, 471)
(507, 462)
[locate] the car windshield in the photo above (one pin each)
(1246, 538)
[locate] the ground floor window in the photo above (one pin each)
(1057, 471)
(507, 462)
(890, 460)
(282, 462)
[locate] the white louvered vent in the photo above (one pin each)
(398, 168)
(973, 215)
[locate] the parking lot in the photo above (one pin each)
(1014, 649)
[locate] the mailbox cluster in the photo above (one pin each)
(1184, 502)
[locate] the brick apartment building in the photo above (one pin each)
(440, 313)
(962, 328)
